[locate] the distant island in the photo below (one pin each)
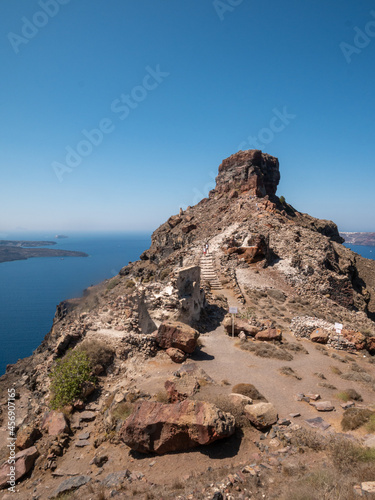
(60, 236)
(21, 250)
(363, 239)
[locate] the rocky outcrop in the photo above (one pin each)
(239, 326)
(252, 171)
(24, 460)
(164, 428)
(269, 335)
(27, 436)
(177, 335)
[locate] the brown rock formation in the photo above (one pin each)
(24, 460)
(160, 428)
(252, 171)
(178, 335)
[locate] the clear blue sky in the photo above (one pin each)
(176, 87)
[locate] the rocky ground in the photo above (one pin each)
(178, 408)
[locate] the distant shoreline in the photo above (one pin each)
(361, 239)
(12, 250)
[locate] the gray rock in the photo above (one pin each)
(115, 479)
(70, 484)
(81, 443)
(87, 416)
(84, 435)
(318, 423)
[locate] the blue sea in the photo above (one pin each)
(31, 289)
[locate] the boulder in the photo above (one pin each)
(178, 335)
(27, 436)
(55, 423)
(356, 338)
(269, 335)
(239, 326)
(176, 355)
(261, 415)
(319, 336)
(24, 460)
(164, 428)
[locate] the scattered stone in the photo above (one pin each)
(178, 335)
(163, 428)
(181, 388)
(269, 335)
(24, 460)
(261, 415)
(87, 416)
(82, 443)
(99, 461)
(115, 479)
(347, 405)
(70, 484)
(239, 400)
(55, 423)
(27, 436)
(323, 406)
(284, 421)
(294, 415)
(313, 397)
(176, 355)
(318, 423)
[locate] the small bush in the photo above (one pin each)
(335, 370)
(349, 395)
(161, 397)
(129, 284)
(282, 200)
(68, 377)
(370, 426)
(165, 273)
(98, 352)
(113, 282)
(327, 386)
(264, 350)
(248, 390)
(289, 372)
(354, 418)
(347, 455)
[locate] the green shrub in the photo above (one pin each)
(113, 282)
(282, 200)
(354, 418)
(67, 378)
(130, 284)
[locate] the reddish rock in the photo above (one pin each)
(176, 355)
(356, 338)
(370, 344)
(323, 406)
(239, 326)
(55, 423)
(24, 460)
(270, 334)
(27, 436)
(178, 335)
(251, 171)
(160, 428)
(319, 336)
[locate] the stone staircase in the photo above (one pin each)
(208, 273)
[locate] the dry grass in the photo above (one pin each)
(349, 395)
(98, 352)
(161, 397)
(335, 370)
(121, 411)
(370, 425)
(264, 350)
(354, 418)
(293, 347)
(289, 372)
(248, 390)
(327, 386)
